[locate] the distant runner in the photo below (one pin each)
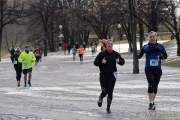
(74, 51)
(38, 54)
(81, 51)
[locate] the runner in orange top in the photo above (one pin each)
(81, 51)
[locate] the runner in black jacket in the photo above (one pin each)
(17, 65)
(106, 61)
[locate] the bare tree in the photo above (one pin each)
(101, 16)
(10, 13)
(76, 29)
(170, 20)
(44, 14)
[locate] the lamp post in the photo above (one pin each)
(61, 36)
(120, 35)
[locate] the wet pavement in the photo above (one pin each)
(67, 90)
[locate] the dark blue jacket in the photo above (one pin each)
(154, 54)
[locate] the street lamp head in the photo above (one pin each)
(60, 27)
(119, 26)
(61, 36)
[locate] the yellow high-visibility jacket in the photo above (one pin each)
(27, 60)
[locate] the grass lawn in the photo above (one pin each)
(4, 54)
(166, 41)
(173, 63)
(164, 37)
(121, 42)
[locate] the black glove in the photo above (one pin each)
(121, 61)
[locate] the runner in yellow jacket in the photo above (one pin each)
(27, 58)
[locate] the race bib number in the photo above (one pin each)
(15, 62)
(154, 62)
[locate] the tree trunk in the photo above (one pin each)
(46, 35)
(85, 36)
(133, 36)
(49, 41)
(45, 43)
(6, 40)
(141, 34)
(1, 25)
(102, 35)
(178, 43)
(177, 31)
(135, 57)
(128, 34)
(153, 22)
(52, 42)
(1, 32)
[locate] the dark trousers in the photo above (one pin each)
(153, 77)
(38, 58)
(107, 82)
(81, 57)
(18, 69)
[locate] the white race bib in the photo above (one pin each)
(15, 62)
(115, 74)
(154, 62)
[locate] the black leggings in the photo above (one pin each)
(107, 82)
(38, 58)
(81, 57)
(18, 69)
(153, 78)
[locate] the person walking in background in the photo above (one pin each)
(17, 65)
(27, 58)
(38, 54)
(93, 49)
(155, 52)
(96, 45)
(81, 51)
(65, 47)
(106, 61)
(69, 48)
(77, 45)
(74, 51)
(12, 51)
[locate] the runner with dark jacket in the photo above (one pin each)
(17, 65)
(106, 61)
(155, 52)
(12, 51)
(38, 55)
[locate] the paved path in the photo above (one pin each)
(65, 90)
